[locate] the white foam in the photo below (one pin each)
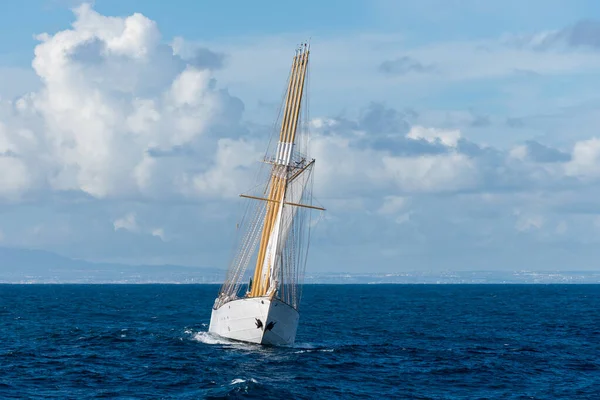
(207, 338)
(240, 380)
(313, 350)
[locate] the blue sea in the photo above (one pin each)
(354, 342)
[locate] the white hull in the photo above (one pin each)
(256, 320)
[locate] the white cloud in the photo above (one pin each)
(518, 152)
(357, 163)
(231, 171)
(585, 162)
(159, 233)
(112, 95)
(447, 137)
(118, 110)
(347, 168)
(127, 223)
(432, 173)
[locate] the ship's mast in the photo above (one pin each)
(279, 174)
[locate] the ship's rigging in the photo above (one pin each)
(274, 233)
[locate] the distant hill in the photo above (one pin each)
(38, 266)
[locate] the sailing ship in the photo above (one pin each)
(275, 231)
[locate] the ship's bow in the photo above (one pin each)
(256, 320)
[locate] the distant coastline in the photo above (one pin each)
(173, 275)
(23, 266)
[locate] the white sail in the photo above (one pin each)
(279, 236)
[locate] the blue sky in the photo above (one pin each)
(449, 135)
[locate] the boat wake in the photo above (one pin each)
(207, 338)
(212, 340)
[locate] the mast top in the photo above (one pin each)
(303, 47)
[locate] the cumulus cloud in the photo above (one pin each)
(348, 165)
(369, 160)
(113, 96)
(122, 114)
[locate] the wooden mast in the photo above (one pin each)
(278, 181)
